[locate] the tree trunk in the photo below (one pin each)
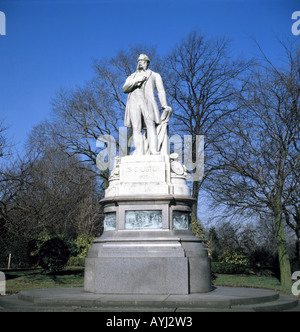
(195, 194)
(298, 251)
(297, 231)
(284, 262)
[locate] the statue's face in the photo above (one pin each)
(142, 64)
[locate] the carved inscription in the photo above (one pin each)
(133, 172)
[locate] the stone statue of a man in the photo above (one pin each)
(141, 110)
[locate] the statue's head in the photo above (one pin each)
(143, 62)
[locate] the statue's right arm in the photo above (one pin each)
(130, 84)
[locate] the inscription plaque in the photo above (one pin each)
(143, 172)
(143, 219)
(110, 221)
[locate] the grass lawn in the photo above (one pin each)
(243, 280)
(17, 280)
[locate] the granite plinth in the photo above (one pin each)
(147, 262)
(147, 246)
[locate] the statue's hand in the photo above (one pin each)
(141, 80)
(167, 108)
(166, 113)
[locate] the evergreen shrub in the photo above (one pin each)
(54, 255)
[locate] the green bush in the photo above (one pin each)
(234, 256)
(232, 261)
(83, 243)
(35, 245)
(228, 268)
(33, 248)
(261, 261)
(54, 255)
(76, 261)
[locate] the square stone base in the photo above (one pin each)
(147, 262)
(137, 275)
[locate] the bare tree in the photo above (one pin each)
(261, 155)
(5, 144)
(202, 79)
(48, 195)
(12, 181)
(291, 210)
(2, 141)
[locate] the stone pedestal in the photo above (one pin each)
(147, 246)
(146, 175)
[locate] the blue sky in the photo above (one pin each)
(50, 44)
